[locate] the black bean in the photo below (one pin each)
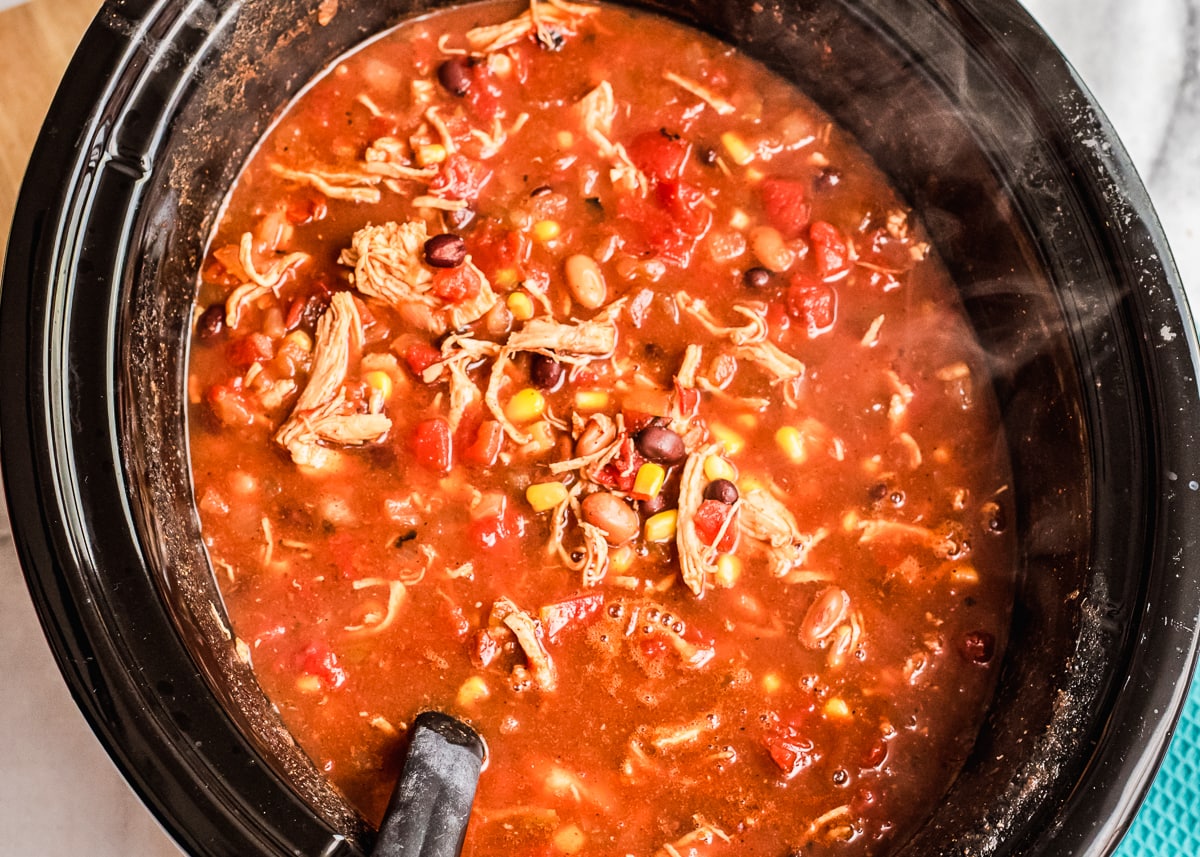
(757, 278)
(445, 251)
(707, 155)
(722, 490)
(455, 75)
(546, 372)
(654, 505)
(660, 445)
(211, 323)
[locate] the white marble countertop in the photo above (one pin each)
(60, 795)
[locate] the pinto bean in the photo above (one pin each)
(594, 437)
(586, 281)
(612, 516)
(825, 614)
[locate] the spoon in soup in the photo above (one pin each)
(429, 809)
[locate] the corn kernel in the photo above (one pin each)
(620, 560)
(791, 441)
(660, 528)
(525, 406)
(850, 521)
(546, 230)
(737, 148)
(380, 382)
(308, 684)
(734, 442)
(837, 709)
(544, 496)
(716, 467)
(520, 305)
(649, 480)
(569, 839)
(771, 682)
(472, 691)
(749, 422)
(300, 340)
(565, 139)
(739, 220)
(729, 569)
(964, 574)
(431, 154)
(754, 175)
(591, 400)
(506, 278)
(746, 484)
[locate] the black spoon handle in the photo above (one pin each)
(427, 815)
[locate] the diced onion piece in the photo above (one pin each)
(649, 480)
(544, 496)
(660, 528)
(525, 406)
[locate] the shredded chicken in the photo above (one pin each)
(373, 623)
(538, 19)
(716, 102)
(754, 331)
(785, 370)
(322, 412)
(597, 110)
(686, 376)
(695, 561)
(766, 520)
(352, 186)
(705, 833)
(258, 283)
(386, 157)
(530, 636)
(388, 264)
(597, 336)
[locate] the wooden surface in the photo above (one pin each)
(36, 43)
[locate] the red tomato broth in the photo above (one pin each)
(363, 586)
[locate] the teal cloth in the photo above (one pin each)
(1168, 824)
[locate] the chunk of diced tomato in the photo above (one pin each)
(455, 285)
(830, 252)
(495, 531)
(687, 206)
(229, 405)
(433, 446)
(485, 93)
(317, 660)
(460, 178)
(791, 752)
(813, 303)
(660, 155)
(485, 448)
(786, 204)
(245, 351)
(572, 612)
(306, 207)
(420, 356)
(709, 519)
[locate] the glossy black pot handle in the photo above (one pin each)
(428, 813)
